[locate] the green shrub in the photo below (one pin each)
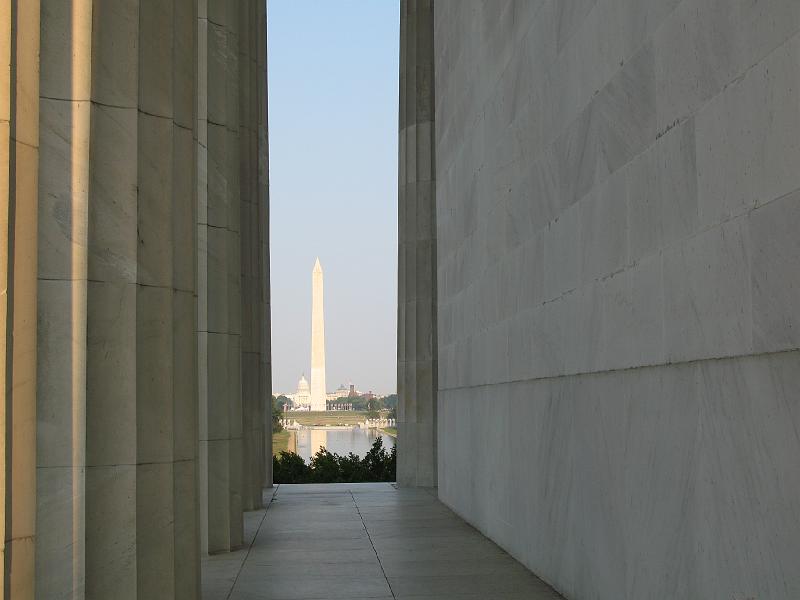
(288, 467)
(329, 467)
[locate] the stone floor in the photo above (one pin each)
(364, 541)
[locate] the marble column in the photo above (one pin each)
(66, 60)
(254, 398)
(117, 161)
(19, 154)
(117, 422)
(265, 344)
(416, 320)
(220, 278)
(233, 262)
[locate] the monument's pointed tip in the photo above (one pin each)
(317, 266)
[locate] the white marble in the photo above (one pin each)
(417, 370)
(775, 252)
(616, 192)
(19, 158)
(318, 387)
(111, 356)
(747, 156)
(364, 540)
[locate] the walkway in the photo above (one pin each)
(368, 540)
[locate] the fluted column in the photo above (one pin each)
(117, 400)
(255, 397)
(62, 309)
(417, 380)
(19, 154)
(265, 370)
(220, 276)
(143, 138)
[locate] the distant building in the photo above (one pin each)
(301, 399)
(334, 406)
(341, 392)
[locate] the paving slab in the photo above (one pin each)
(370, 541)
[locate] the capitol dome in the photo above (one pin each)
(303, 387)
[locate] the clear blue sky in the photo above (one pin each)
(333, 77)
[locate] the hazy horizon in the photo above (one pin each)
(333, 187)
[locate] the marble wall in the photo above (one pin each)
(127, 161)
(618, 196)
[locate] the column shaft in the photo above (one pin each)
(252, 271)
(117, 397)
(140, 483)
(220, 279)
(19, 155)
(265, 370)
(62, 287)
(143, 137)
(417, 377)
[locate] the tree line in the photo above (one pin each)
(329, 467)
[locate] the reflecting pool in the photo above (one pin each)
(340, 440)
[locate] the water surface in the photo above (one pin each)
(341, 440)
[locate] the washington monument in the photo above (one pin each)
(318, 389)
